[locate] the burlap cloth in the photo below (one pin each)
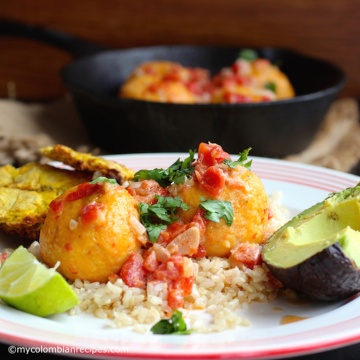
(24, 128)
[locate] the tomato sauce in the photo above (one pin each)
(132, 272)
(138, 270)
(172, 272)
(84, 190)
(210, 177)
(91, 212)
(247, 254)
(146, 191)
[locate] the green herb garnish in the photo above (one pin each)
(103, 179)
(175, 173)
(248, 54)
(270, 86)
(241, 161)
(176, 325)
(217, 209)
(157, 217)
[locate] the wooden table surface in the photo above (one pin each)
(329, 29)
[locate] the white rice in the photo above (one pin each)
(219, 290)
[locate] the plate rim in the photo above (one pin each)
(261, 166)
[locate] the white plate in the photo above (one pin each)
(327, 325)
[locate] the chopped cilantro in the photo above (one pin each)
(176, 325)
(103, 179)
(241, 161)
(157, 217)
(217, 209)
(248, 54)
(175, 173)
(270, 86)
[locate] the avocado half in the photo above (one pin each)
(317, 253)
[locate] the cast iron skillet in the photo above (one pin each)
(271, 129)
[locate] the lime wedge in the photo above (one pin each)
(30, 286)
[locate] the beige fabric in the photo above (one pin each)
(337, 144)
(24, 128)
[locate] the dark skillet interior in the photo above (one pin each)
(273, 129)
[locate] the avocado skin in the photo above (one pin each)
(327, 276)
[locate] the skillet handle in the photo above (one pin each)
(77, 47)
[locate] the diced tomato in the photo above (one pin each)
(243, 80)
(148, 69)
(175, 297)
(3, 257)
(150, 260)
(178, 227)
(199, 221)
(236, 67)
(154, 87)
(229, 82)
(171, 269)
(172, 272)
(213, 181)
(270, 213)
(200, 253)
(211, 154)
(186, 283)
(197, 74)
(132, 272)
(265, 98)
(171, 232)
(91, 212)
(84, 190)
(234, 98)
(177, 291)
(195, 87)
(248, 254)
(146, 191)
(57, 205)
(217, 80)
(173, 75)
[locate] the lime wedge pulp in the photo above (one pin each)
(30, 286)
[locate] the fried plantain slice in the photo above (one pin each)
(88, 162)
(26, 192)
(23, 211)
(43, 177)
(7, 175)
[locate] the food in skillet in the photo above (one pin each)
(248, 79)
(251, 79)
(166, 81)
